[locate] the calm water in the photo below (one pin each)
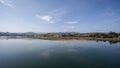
(36, 53)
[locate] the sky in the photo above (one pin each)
(59, 16)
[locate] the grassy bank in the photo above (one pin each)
(78, 38)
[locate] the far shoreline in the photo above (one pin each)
(77, 38)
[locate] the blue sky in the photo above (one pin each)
(59, 15)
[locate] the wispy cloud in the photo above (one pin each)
(58, 14)
(71, 25)
(46, 18)
(7, 3)
(52, 16)
(72, 22)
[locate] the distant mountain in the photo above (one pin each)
(17, 34)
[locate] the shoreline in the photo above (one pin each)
(78, 38)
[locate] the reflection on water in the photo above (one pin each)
(20, 37)
(36, 53)
(111, 42)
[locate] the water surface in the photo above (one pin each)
(36, 53)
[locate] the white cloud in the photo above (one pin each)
(6, 3)
(52, 16)
(72, 22)
(47, 18)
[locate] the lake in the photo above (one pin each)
(37, 53)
